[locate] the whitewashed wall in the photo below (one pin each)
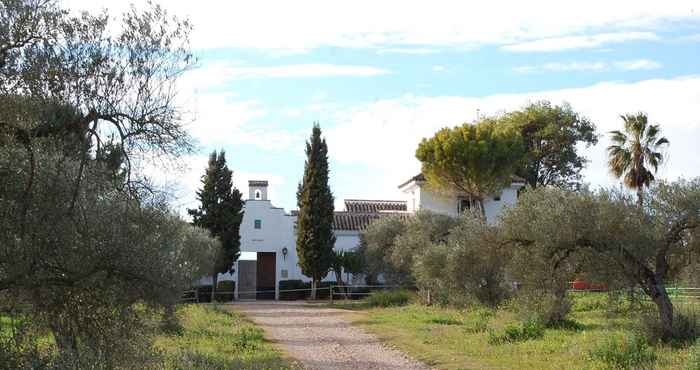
(448, 204)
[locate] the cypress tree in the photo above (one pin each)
(315, 239)
(220, 212)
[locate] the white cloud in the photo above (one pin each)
(410, 51)
(301, 71)
(397, 24)
(220, 119)
(579, 42)
(626, 65)
(634, 65)
(390, 130)
(564, 67)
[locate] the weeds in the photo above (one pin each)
(529, 329)
(389, 299)
(630, 352)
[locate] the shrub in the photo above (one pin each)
(529, 329)
(625, 353)
(686, 325)
(321, 291)
(388, 299)
(544, 306)
(226, 286)
(203, 293)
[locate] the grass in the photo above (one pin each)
(449, 338)
(216, 337)
(211, 337)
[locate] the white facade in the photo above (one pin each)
(419, 196)
(266, 228)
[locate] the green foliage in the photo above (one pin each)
(686, 324)
(389, 298)
(527, 330)
(477, 159)
(552, 135)
(556, 233)
(377, 246)
(635, 151)
(90, 246)
(315, 238)
(220, 211)
(621, 353)
(425, 228)
(469, 265)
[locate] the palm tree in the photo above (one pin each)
(636, 150)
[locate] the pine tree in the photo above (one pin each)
(220, 212)
(315, 239)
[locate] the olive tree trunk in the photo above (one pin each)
(657, 292)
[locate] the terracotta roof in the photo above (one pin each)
(416, 178)
(359, 221)
(373, 206)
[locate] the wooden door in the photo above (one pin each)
(266, 271)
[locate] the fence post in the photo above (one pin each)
(330, 293)
(196, 295)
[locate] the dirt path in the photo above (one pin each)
(321, 338)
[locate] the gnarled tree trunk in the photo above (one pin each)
(657, 292)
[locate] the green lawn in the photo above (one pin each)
(212, 337)
(459, 339)
(216, 337)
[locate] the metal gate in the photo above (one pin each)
(247, 279)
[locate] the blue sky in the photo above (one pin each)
(379, 76)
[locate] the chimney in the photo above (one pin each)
(257, 190)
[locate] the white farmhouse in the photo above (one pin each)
(268, 242)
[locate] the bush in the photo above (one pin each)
(529, 329)
(686, 325)
(549, 309)
(625, 353)
(322, 290)
(226, 286)
(388, 299)
(203, 293)
(468, 266)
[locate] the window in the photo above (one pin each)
(258, 195)
(464, 205)
(258, 224)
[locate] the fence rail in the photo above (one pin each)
(194, 296)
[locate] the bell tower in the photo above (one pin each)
(257, 190)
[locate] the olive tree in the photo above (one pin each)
(84, 236)
(649, 246)
(467, 266)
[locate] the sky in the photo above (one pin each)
(378, 76)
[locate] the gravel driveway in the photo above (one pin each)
(321, 338)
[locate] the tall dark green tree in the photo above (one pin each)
(315, 239)
(220, 212)
(552, 135)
